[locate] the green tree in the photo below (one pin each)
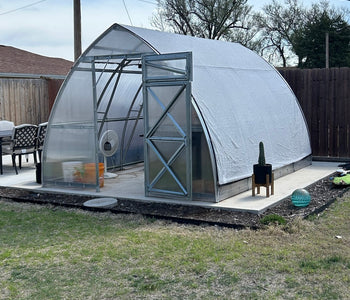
(212, 19)
(309, 42)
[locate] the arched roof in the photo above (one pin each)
(243, 100)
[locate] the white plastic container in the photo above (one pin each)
(69, 168)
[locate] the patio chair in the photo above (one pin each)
(4, 126)
(23, 143)
(40, 138)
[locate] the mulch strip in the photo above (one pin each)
(322, 193)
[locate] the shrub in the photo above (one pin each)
(274, 219)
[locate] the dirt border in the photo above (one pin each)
(322, 193)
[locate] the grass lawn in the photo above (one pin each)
(54, 253)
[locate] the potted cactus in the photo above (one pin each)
(261, 169)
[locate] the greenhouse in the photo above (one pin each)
(191, 111)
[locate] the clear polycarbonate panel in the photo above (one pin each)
(179, 168)
(118, 40)
(130, 137)
(171, 69)
(120, 109)
(132, 143)
(162, 178)
(203, 185)
(159, 100)
(155, 161)
(176, 113)
(168, 183)
(63, 163)
(75, 104)
(167, 149)
(70, 139)
(168, 126)
(117, 95)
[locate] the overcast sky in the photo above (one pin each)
(46, 27)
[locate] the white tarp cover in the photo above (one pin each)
(242, 98)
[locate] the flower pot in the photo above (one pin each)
(90, 173)
(260, 173)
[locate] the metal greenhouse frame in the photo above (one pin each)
(191, 110)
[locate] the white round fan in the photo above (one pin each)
(109, 143)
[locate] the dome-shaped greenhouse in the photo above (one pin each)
(192, 110)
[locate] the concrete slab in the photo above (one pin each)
(284, 187)
(130, 185)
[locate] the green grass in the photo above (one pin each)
(53, 253)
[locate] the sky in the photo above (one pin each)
(45, 27)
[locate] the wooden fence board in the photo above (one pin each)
(330, 107)
(26, 100)
(324, 97)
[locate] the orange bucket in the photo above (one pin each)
(90, 173)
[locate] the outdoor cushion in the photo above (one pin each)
(342, 180)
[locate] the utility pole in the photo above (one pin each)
(327, 50)
(77, 29)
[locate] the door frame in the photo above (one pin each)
(161, 72)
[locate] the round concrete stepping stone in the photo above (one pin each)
(101, 203)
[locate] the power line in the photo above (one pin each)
(155, 2)
(127, 12)
(145, 1)
(16, 9)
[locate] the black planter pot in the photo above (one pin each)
(38, 172)
(260, 173)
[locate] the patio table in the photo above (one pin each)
(3, 134)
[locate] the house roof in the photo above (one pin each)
(14, 60)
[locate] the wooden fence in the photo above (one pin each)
(324, 96)
(27, 100)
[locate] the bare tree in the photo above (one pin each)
(213, 19)
(278, 23)
(250, 35)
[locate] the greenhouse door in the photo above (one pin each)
(167, 116)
